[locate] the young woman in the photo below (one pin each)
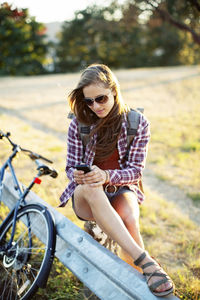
(109, 194)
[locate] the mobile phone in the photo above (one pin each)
(84, 168)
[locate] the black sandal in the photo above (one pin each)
(148, 276)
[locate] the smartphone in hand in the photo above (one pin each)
(84, 168)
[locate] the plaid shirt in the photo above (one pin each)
(131, 167)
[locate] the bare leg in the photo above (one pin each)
(92, 203)
(127, 207)
(105, 216)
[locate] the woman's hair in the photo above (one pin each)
(108, 128)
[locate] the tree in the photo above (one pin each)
(172, 30)
(85, 39)
(183, 14)
(127, 35)
(22, 45)
(99, 34)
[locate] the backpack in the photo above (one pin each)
(133, 117)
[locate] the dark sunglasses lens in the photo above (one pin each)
(89, 101)
(101, 99)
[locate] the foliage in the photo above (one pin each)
(130, 35)
(181, 14)
(137, 33)
(22, 45)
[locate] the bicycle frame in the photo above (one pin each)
(22, 193)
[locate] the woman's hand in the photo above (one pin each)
(79, 176)
(94, 178)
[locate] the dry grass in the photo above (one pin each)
(170, 97)
(174, 240)
(45, 144)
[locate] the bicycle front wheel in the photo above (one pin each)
(25, 265)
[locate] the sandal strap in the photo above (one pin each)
(159, 282)
(155, 274)
(147, 265)
(154, 285)
(140, 259)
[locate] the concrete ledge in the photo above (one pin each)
(105, 274)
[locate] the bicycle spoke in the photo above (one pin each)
(28, 256)
(31, 250)
(27, 229)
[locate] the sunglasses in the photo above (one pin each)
(100, 100)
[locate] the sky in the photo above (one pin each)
(47, 11)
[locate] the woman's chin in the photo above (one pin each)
(101, 113)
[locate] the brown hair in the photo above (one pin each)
(108, 128)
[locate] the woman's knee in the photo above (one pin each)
(81, 207)
(127, 207)
(89, 194)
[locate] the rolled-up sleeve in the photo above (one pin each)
(74, 149)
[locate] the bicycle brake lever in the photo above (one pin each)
(46, 159)
(35, 156)
(38, 156)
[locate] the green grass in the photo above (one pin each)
(195, 197)
(62, 284)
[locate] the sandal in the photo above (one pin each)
(148, 276)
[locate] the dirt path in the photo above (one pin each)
(20, 97)
(171, 193)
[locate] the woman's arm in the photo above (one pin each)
(74, 149)
(135, 163)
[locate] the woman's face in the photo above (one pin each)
(95, 90)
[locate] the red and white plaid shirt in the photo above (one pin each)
(131, 167)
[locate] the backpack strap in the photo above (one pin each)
(133, 122)
(84, 130)
(133, 118)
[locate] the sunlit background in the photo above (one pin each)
(153, 47)
(53, 11)
(39, 37)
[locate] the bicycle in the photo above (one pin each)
(25, 259)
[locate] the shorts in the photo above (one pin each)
(111, 197)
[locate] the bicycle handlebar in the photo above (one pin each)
(35, 156)
(31, 154)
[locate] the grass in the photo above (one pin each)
(62, 284)
(172, 106)
(180, 164)
(195, 197)
(174, 240)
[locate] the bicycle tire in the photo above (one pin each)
(28, 263)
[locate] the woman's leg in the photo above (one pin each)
(127, 207)
(92, 203)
